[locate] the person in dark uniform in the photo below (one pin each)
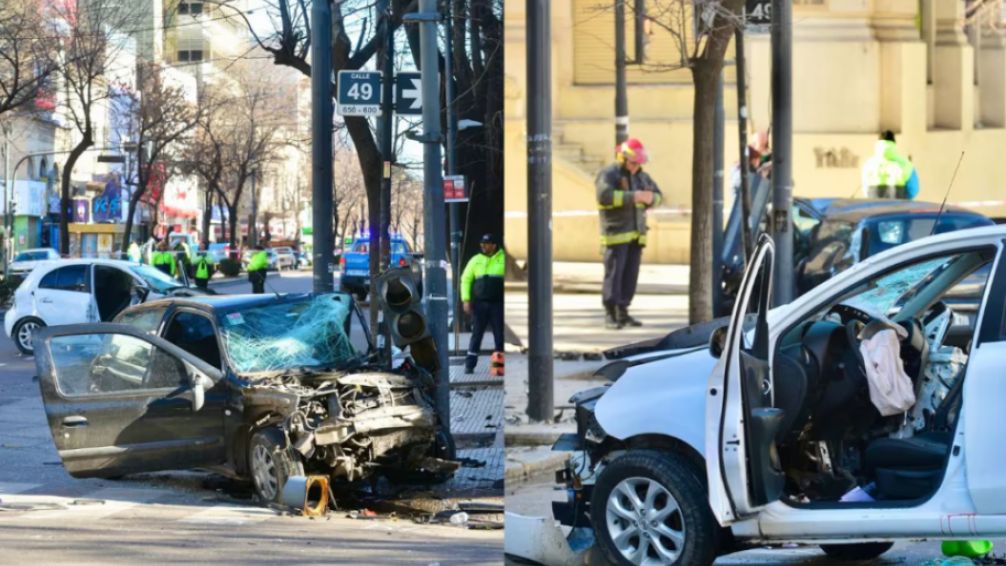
(624, 193)
(204, 268)
(482, 296)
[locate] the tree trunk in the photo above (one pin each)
(207, 215)
(371, 165)
(64, 201)
(700, 305)
(232, 213)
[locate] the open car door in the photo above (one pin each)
(741, 424)
(119, 400)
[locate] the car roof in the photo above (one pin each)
(86, 261)
(856, 210)
(229, 303)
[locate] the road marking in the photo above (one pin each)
(229, 515)
(90, 506)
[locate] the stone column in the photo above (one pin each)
(953, 76)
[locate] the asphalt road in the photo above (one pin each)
(47, 517)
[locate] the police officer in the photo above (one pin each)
(887, 173)
(482, 296)
(256, 269)
(624, 193)
(204, 268)
(164, 260)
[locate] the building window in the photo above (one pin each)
(190, 55)
(191, 8)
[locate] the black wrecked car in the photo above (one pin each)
(831, 235)
(263, 386)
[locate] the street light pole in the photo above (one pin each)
(455, 207)
(782, 151)
(7, 247)
(539, 207)
(435, 274)
(621, 97)
(321, 146)
(718, 135)
(387, 153)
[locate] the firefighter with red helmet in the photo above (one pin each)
(624, 193)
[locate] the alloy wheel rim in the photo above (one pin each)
(264, 472)
(645, 522)
(25, 333)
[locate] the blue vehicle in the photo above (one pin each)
(355, 264)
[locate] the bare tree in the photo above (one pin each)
(91, 41)
(27, 57)
(160, 117)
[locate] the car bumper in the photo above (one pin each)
(577, 477)
(8, 321)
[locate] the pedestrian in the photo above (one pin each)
(256, 269)
(164, 260)
(204, 268)
(183, 255)
(624, 193)
(134, 252)
(482, 297)
(887, 173)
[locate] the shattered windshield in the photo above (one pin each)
(313, 333)
(155, 278)
(882, 296)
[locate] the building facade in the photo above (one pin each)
(932, 71)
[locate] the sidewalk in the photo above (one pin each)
(477, 426)
(586, 277)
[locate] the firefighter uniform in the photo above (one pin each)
(623, 229)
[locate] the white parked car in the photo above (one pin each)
(285, 258)
(770, 434)
(74, 291)
(26, 260)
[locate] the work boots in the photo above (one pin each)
(624, 319)
(610, 319)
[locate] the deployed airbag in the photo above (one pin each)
(891, 390)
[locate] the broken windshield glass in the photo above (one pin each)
(303, 334)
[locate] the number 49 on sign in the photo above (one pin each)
(359, 93)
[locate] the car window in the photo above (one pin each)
(399, 248)
(112, 363)
(147, 320)
(361, 247)
(195, 334)
(32, 256)
(66, 278)
(886, 234)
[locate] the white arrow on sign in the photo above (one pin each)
(415, 94)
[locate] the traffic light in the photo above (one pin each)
(400, 301)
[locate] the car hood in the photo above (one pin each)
(663, 396)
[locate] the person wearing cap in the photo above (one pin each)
(887, 173)
(624, 193)
(482, 297)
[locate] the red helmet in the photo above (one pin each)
(631, 150)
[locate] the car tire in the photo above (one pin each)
(856, 552)
(28, 325)
(687, 535)
(271, 463)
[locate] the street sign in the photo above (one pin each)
(108, 158)
(758, 15)
(359, 93)
(454, 188)
(409, 93)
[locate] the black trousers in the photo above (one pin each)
(887, 192)
(485, 314)
(621, 272)
(202, 283)
(257, 279)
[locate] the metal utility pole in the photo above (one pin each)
(388, 156)
(321, 147)
(782, 151)
(718, 133)
(621, 97)
(742, 137)
(8, 248)
(539, 207)
(435, 274)
(456, 221)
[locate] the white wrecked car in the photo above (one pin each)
(768, 435)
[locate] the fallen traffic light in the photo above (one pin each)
(400, 300)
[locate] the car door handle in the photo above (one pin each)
(45, 300)
(74, 421)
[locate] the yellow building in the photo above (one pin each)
(930, 70)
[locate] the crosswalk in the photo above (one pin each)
(28, 503)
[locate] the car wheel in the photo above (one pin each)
(270, 464)
(23, 332)
(650, 507)
(856, 552)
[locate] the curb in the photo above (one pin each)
(591, 288)
(532, 439)
(520, 472)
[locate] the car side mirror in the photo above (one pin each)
(718, 341)
(200, 383)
